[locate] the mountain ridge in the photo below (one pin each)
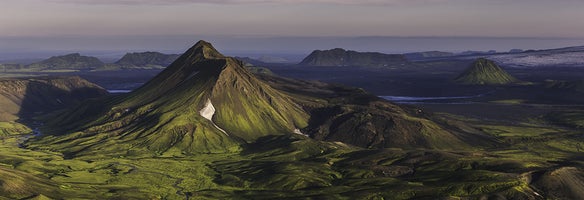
(341, 57)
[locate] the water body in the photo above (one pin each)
(433, 100)
(118, 91)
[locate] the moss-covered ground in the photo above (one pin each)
(278, 167)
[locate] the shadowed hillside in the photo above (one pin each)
(23, 98)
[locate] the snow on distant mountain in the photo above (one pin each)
(564, 57)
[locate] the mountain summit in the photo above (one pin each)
(203, 102)
(485, 72)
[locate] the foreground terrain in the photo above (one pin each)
(514, 143)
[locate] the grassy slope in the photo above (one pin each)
(298, 167)
(485, 72)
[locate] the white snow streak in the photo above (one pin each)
(208, 111)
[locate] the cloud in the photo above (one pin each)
(174, 2)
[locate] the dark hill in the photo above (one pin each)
(22, 98)
(341, 57)
(147, 59)
(73, 61)
(485, 72)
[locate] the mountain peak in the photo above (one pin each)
(485, 72)
(205, 50)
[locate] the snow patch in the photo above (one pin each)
(297, 131)
(208, 111)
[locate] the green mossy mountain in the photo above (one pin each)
(73, 61)
(202, 103)
(146, 60)
(485, 72)
(341, 57)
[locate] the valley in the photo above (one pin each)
(444, 140)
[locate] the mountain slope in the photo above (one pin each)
(69, 61)
(202, 103)
(24, 96)
(485, 72)
(341, 57)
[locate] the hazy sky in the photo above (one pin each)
(21, 20)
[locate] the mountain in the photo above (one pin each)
(562, 57)
(204, 102)
(27, 97)
(73, 61)
(576, 86)
(147, 60)
(208, 103)
(427, 54)
(341, 57)
(485, 72)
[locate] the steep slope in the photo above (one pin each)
(485, 72)
(146, 60)
(202, 103)
(341, 57)
(69, 61)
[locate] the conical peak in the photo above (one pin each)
(204, 49)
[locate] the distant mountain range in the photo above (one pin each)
(73, 61)
(146, 59)
(76, 61)
(428, 54)
(341, 57)
(562, 57)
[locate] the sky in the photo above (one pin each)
(113, 26)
